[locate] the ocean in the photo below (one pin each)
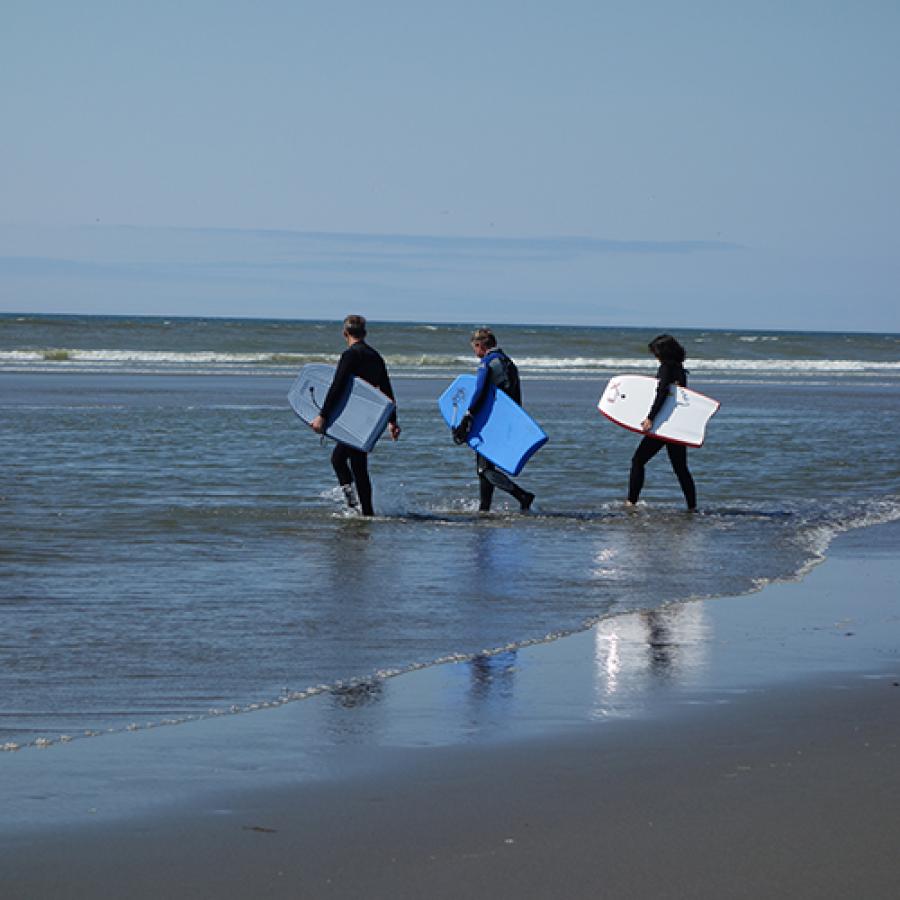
(174, 547)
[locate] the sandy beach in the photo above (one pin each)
(752, 753)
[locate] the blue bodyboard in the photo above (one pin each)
(501, 432)
(360, 416)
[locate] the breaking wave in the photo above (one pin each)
(424, 363)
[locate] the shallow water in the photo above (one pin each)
(173, 543)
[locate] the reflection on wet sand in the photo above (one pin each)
(491, 694)
(634, 658)
(642, 651)
(493, 676)
(631, 658)
(362, 693)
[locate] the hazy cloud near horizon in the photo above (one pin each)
(700, 163)
(170, 271)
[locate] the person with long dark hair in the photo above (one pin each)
(671, 356)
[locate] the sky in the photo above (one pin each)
(708, 164)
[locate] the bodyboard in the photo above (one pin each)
(682, 420)
(360, 416)
(501, 432)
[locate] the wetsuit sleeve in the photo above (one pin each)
(339, 383)
(386, 388)
(482, 380)
(666, 376)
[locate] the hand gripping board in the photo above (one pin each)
(501, 432)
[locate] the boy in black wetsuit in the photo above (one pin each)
(351, 465)
(671, 371)
(498, 369)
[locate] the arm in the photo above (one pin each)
(482, 380)
(338, 385)
(386, 388)
(666, 376)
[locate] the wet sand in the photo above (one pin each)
(764, 764)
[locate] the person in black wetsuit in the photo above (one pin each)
(498, 369)
(351, 465)
(671, 371)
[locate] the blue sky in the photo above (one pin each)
(650, 163)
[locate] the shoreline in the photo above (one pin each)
(653, 754)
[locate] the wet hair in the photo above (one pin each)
(666, 349)
(355, 326)
(484, 336)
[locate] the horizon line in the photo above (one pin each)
(445, 324)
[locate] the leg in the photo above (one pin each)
(678, 459)
(359, 463)
(485, 494)
(352, 467)
(339, 458)
(485, 488)
(489, 474)
(646, 450)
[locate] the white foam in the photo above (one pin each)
(821, 366)
(160, 357)
(52, 358)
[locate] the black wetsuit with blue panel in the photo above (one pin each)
(496, 369)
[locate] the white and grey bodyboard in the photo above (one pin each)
(360, 416)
